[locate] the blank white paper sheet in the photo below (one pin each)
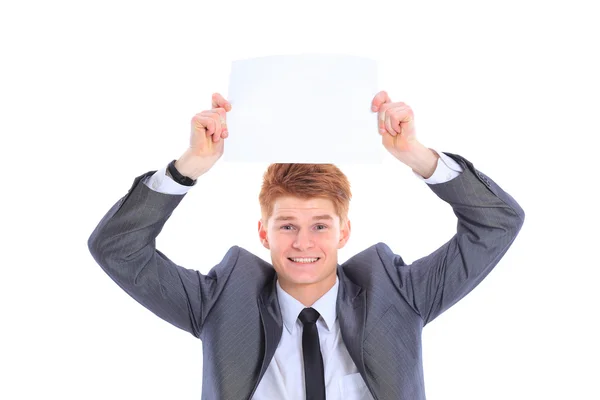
(309, 108)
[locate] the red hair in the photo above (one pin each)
(305, 181)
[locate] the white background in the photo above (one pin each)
(93, 94)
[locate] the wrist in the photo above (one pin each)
(191, 166)
(177, 177)
(422, 160)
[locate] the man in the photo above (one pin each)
(306, 327)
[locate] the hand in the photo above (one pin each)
(209, 129)
(396, 125)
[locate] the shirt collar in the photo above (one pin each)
(291, 308)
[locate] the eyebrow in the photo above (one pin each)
(316, 218)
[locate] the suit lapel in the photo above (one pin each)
(351, 314)
(272, 323)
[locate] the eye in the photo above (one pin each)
(322, 226)
(284, 227)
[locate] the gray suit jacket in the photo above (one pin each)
(382, 305)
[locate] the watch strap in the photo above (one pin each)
(177, 177)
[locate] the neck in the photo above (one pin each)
(308, 294)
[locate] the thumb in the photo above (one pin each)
(380, 99)
(219, 101)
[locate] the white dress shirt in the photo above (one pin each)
(284, 378)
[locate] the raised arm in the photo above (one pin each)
(124, 242)
(489, 220)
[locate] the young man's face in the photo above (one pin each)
(298, 232)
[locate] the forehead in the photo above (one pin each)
(296, 207)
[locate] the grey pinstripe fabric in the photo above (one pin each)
(382, 304)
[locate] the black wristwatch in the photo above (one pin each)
(177, 177)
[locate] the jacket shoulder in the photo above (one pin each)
(369, 262)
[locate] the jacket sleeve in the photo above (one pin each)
(489, 220)
(124, 245)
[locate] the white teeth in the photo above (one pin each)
(304, 260)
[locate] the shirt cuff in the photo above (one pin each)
(446, 170)
(162, 183)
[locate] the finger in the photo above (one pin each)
(382, 116)
(389, 128)
(200, 123)
(218, 116)
(222, 118)
(213, 122)
(407, 120)
(395, 117)
(218, 129)
(207, 124)
(379, 99)
(219, 101)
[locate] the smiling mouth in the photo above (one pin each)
(304, 260)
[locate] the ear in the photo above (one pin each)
(345, 229)
(262, 234)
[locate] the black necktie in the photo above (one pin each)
(314, 375)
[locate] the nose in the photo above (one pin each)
(303, 241)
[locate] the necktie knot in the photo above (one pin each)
(309, 316)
